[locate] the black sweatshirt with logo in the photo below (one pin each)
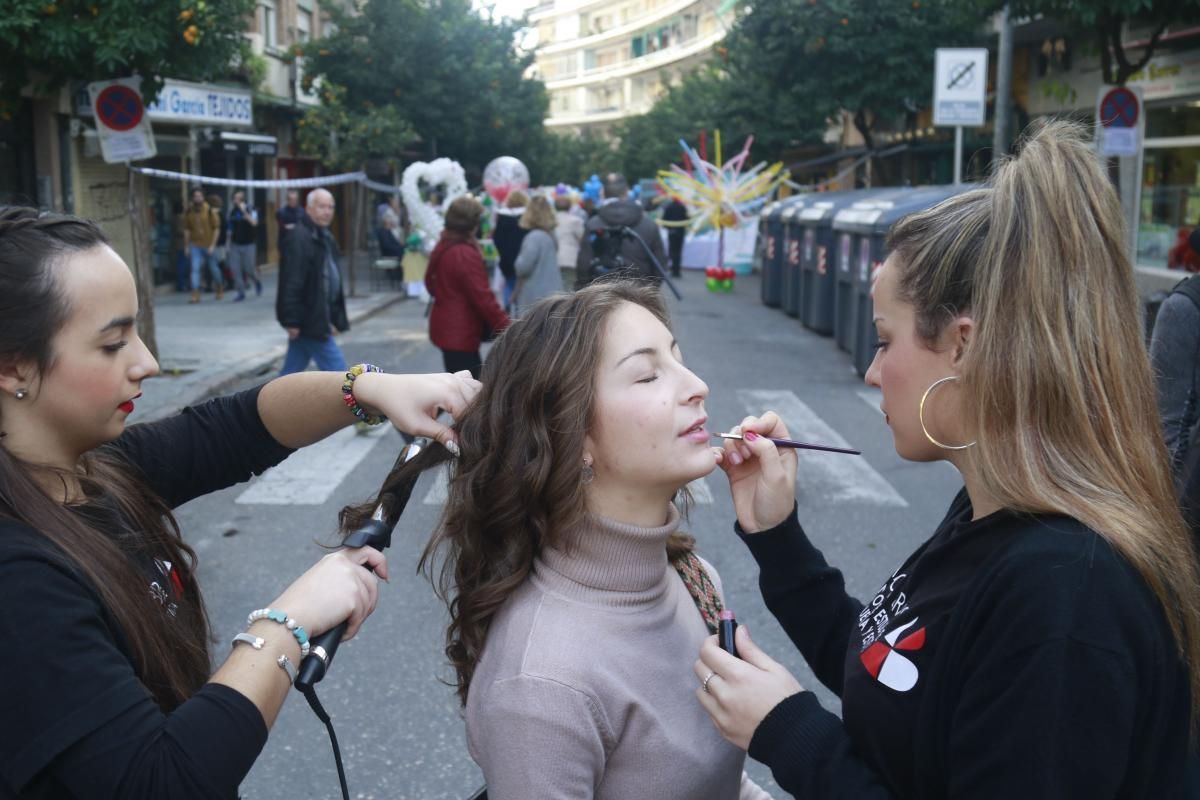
(76, 721)
(1015, 656)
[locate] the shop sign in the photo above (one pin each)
(194, 104)
(1169, 76)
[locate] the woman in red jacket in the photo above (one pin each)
(464, 305)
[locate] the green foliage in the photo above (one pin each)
(47, 43)
(567, 158)
(343, 138)
(1103, 22)
(798, 63)
(454, 75)
(700, 102)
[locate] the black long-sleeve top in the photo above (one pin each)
(75, 719)
(1016, 656)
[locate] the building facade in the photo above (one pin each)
(605, 60)
(50, 154)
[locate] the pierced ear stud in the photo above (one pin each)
(21, 393)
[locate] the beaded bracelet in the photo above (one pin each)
(348, 394)
(275, 615)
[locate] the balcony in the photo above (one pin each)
(624, 30)
(632, 66)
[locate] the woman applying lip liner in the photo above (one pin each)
(1044, 643)
(108, 686)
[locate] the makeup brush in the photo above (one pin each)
(794, 444)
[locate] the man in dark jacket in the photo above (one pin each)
(615, 236)
(311, 305)
(675, 211)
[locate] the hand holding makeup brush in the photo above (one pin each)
(762, 477)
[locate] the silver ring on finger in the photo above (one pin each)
(707, 678)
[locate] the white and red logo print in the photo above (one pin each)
(883, 651)
(885, 660)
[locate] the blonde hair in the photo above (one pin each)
(538, 214)
(1056, 384)
(516, 199)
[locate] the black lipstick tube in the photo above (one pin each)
(725, 631)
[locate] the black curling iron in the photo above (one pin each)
(375, 532)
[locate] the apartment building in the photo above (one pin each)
(604, 60)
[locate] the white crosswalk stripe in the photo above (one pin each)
(310, 475)
(823, 478)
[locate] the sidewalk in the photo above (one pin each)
(207, 347)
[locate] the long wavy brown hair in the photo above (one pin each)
(517, 486)
(169, 653)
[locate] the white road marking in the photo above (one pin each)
(438, 492)
(826, 478)
(310, 475)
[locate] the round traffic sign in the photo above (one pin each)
(1119, 109)
(119, 108)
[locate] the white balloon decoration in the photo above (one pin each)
(441, 172)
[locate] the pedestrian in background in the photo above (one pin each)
(536, 266)
(221, 251)
(311, 305)
(243, 236)
(507, 237)
(676, 212)
(576, 598)
(288, 218)
(1045, 642)
(108, 677)
(201, 227)
(568, 232)
(465, 312)
(620, 235)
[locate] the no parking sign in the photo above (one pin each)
(1119, 120)
(121, 122)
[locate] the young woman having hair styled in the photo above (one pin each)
(576, 600)
(108, 689)
(1045, 641)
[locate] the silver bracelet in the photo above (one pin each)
(285, 664)
(256, 642)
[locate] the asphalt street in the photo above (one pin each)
(398, 722)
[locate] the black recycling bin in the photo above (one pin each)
(870, 237)
(847, 223)
(791, 257)
(772, 252)
(817, 267)
(770, 232)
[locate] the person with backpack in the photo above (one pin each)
(1175, 356)
(619, 236)
(201, 229)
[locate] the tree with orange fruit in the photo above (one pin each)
(44, 45)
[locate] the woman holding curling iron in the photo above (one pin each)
(106, 671)
(1045, 641)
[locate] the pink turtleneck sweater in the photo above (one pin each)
(585, 688)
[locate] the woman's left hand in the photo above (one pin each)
(412, 402)
(741, 691)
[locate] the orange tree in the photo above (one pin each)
(46, 43)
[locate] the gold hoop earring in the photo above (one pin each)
(921, 416)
